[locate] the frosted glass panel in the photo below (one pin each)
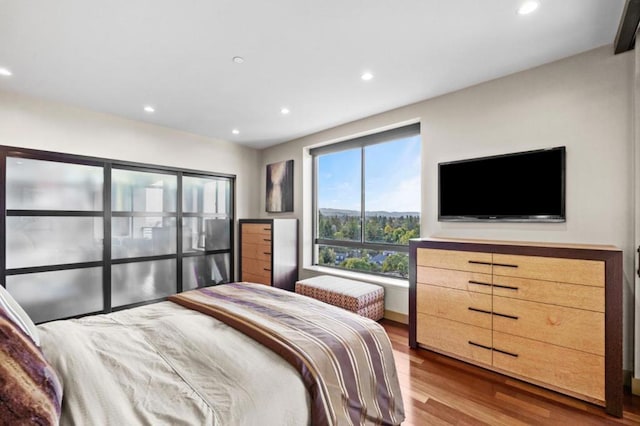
(140, 281)
(204, 271)
(38, 241)
(142, 236)
(59, 294)
(200, 234)
(50, 185)
(202, 195)
(133, 191)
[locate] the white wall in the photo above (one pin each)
(38, 124)
(583, 102)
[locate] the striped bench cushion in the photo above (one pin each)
(356, 296)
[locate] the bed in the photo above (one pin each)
(235, 354)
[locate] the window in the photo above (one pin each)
(367, 202)
(85, 235)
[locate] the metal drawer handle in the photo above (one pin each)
(266, 239)
(266, 252)
(506, 265)
(492, 349)
(506, 353)
(482, 311)
(508, 287)
(266, 269)
(479, 345)
(479, 283)
(505, 315)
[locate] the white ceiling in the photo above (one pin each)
(116, 56)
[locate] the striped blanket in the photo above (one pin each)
(345, 360)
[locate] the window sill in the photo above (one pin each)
(374, 279)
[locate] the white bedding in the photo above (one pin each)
(164, 364)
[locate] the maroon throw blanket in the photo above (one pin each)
(345, 360)
(30, 391)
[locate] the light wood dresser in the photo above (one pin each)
(547, 314)
(269, 252)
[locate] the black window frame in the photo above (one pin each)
(361, 143)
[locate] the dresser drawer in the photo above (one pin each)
(570, 295)
(255, 267)
(560, 367)
(453, 259)
(256, 228)
(574, 271)
(458, 305)
(461, 280)
(454, 338)
(256, 251)
(568, 327)
(256, 278)
(256, 239)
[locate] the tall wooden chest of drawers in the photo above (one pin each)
(547, 314)
(269, 252)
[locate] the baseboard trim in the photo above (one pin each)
(396, 316)
(635, 386)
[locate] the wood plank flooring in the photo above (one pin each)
(438, 390)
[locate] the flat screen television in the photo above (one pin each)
(518, 187)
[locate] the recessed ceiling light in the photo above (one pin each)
(366, 76)
(235, 131)
(5, 72)
(285, 111)
(527, 7)
(149, 109)
(238, 59)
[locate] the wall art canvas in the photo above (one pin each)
(280, 187)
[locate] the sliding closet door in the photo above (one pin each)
(143, 235)
(85, 235)
(207, 228)
(54, 236)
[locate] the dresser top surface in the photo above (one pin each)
(519, 243)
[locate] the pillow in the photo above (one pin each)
(30, 391)
(18, 315)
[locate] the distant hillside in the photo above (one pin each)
(342, 212)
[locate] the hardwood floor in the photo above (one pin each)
(438, 390)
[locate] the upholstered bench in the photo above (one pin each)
(356, 296)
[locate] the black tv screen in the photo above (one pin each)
(520, 187)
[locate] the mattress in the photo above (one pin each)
(164, 364)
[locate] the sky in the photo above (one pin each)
(392, 177)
